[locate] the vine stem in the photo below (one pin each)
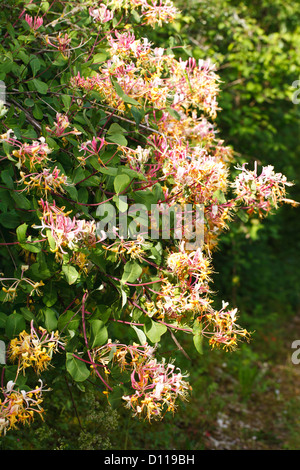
(169, 325)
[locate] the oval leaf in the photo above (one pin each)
(77, 368)
(99, 334)
(15, 324)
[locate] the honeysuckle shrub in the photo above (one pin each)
(115, 190)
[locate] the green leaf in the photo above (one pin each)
(124, 297)
(76, 368)
(15, 324)
(71, 273)
(21, 201)
(174, 114)
(122, 94)
(66, 99)
(44, 6)
(115, 128)
(40, 86)
(115, 397)
(100, 57)
(37, 112)
(99, 334)
(198, 342)
(50, 319)
(121, 182)
(51, 239)
(219, 195)
(68, 321)
(132, 271)
(27, 314)
(35, 65)
(198, 337)
(7, 179)
(242, 215)
(10, 219)
(32, 247)
(154, 330)
(118, 139)
(137, 115)
(29, 103)
(21, 232)
(50, 297)
(3, 318)
(140, 334)
(120, 203)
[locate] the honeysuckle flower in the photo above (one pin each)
(34, 155)
(194, 264)
(60, 42)
(19, 407)
(34, 349)
(159, 12)
(156, 385)
(60, 126)
(11, 291)
(34, 23)
(226, 332)
(132, 248)
(8, 136)
(92, 148)
(67, 233)
(45, 181)
(101, 14)
(169, 106)
(260, 192)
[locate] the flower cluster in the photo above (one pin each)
(226, 333)
(156, 385)
(260, 192)
(102, 14)
(34, 23)
(61, 42)
(34, 349)
(11, 291)
(166, 153)
(132, 248)
(60, 125)
(19, 406)
(151, 11)
(45, 181)
(140, 70)
(92, 148)
(66, 232)
(32, 156)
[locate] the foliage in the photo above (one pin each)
(99, 127)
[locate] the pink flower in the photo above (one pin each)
(102, 14)
(66, 232)
(61, 124)
(34, 23)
